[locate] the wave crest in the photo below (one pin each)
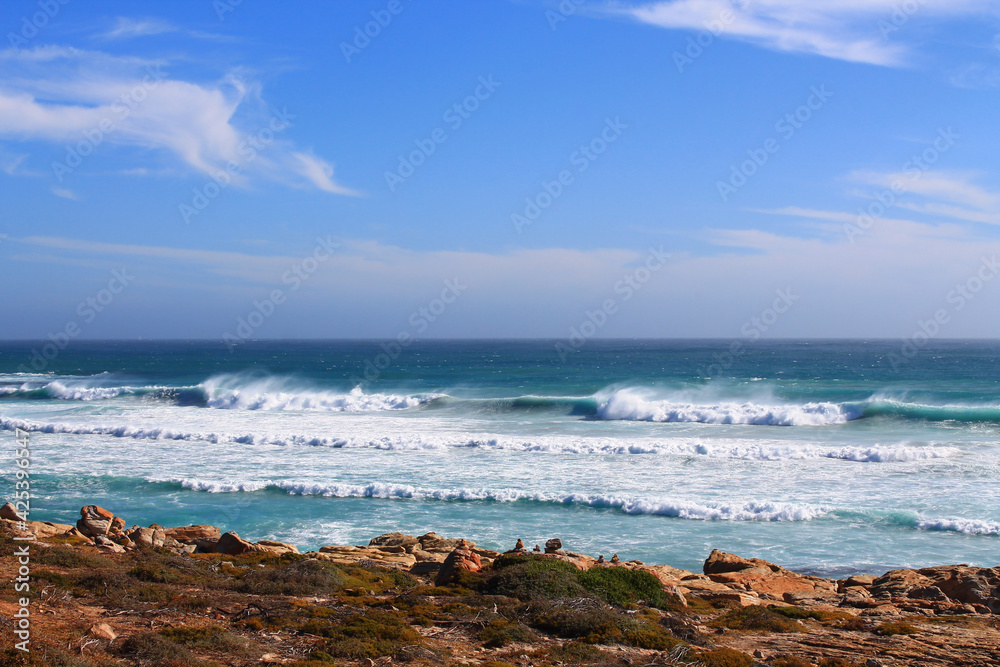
(748, 511)
(630, 405)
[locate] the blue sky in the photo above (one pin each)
(539, 153)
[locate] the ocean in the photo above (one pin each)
(823, 456)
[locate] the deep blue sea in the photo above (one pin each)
(824, 456)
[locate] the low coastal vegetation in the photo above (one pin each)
(157, 606)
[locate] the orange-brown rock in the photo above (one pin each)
(277, 547)
(232, 544)
(462, 558)
(96, 521)
(193, 534)
(767, 580)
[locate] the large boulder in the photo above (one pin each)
(193, 534)
(945, 588)
(434, 543)
(278, 548)
(10, 513)
(154, 536)
(95, 521)
(461, 559)
(767, 580)
(232, 544)
(394, 541)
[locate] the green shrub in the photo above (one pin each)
(604, 626)
(757, 619)
(68, 558)
(623, 587)
(209, 639)
(577, 653)
(151, 648)
(370, 635)
(791, 661)
(725, 657)
(501, 632)
(528, 578)
(307, 577)
(897, 628)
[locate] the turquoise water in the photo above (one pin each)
(824, 456)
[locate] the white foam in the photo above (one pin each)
(235, 393)
(77, 392)
(630, 405)
(766, 451)
(966, 526)
(748, 511)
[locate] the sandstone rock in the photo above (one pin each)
(146, 537)
(193, 534)
(964, 584)
(42, 530)
(865, 580)
(427, 567)
(897, 583)
(462, 558)
(232, 544)
(517, 547)
(102, 631)
(96, 521)
(9, 512)
(435, 543)
(277, 547)
(105, 544)
(856, 596)
(394, 540)
(767, 579)
(553, 546)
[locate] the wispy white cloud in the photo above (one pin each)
(61, 95)
(850, 30)
(127, 28)
(64, 194)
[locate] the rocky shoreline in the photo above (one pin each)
(845, 610)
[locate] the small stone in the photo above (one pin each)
(103, 631)
(518, 546)
(760, 655)
(616, 559)
(553, 546)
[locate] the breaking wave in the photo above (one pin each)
(749, 511)
(766, 451)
